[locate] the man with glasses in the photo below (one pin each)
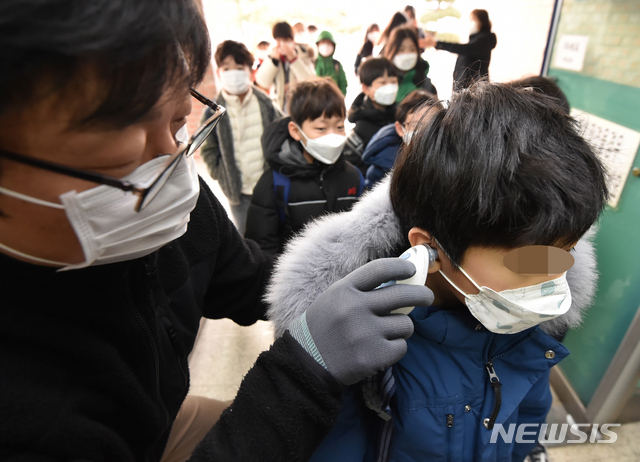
(112, 249)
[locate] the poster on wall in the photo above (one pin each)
(615, 145)
(570, 52)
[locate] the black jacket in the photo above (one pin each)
(316, 189)
(94, 361)
(368, 118)
(365, 52)
(473, 57)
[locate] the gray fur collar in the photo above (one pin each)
(335, 245)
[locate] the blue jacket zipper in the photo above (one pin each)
(494, 380)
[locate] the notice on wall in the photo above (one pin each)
(570, 52)
(615, 145)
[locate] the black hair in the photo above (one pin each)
(282, 30)
(263, 43)
(483, 17)
(136, 50)
(546, 86)
(314, 98)
(373, 68)
(395, 42)
(369, 30)
(411, 102)
(398, 19)
(238, 51)
(410, 11)
(501, 167)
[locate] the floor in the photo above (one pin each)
(224, 352)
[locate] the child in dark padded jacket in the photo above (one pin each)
(501, 184)
(307, 175)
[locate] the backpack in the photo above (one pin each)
(282, 186)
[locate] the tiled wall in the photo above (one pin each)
(613, 27)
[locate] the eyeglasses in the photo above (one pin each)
(145, 194)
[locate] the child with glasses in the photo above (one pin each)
(497, 183)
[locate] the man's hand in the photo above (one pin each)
(349, 329)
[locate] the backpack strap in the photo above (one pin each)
(281, 188)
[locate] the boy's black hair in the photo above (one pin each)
(501, 167)
(546, 86)
(411, 102)
(315, 98)
(374, 68)
(136, 50)
(241, 55)
(282, 30)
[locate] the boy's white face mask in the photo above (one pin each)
(236, 82)
(327, 148)
(386, 94)
(325, 49)
(512, 311)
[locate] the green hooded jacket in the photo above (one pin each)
(329, 67)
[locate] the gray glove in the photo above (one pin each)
(348, 328)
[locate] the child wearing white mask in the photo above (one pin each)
(373, 108)
(326, 64)
(507, 210)
(233, 153)
(307, 176)
(403, 51)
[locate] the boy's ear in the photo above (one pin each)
(294, 132)
(400, 132)
(418, 236)
(366, 89)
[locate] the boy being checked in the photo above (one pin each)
(372, 109)
(307, 175)
(499, 170)
(233, 153)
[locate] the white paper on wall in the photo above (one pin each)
(615, 145)
(570, 51)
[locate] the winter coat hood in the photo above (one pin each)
(333, 246)
(383, 147)
(326, 35)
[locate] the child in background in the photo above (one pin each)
(373, 108)
(326, 65)
(499, 170)
(403, 51)
(381, 152)
(307, 176)
(288, 63)
(371, 37)
(262, 53)
(233, 153)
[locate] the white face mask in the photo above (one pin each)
(473, 28)
(325, 49)
(235, 82)
(405, 61)
(107, 225)
(386, 94)
(512, 311)
(327, 148)
(373, 37)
